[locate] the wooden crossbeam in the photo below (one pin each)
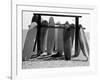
(57, 15)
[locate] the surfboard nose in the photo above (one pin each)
(51, 21)
(66, 24)
(44, 23)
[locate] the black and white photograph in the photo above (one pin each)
(52, 40)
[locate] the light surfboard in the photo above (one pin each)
(50, 37)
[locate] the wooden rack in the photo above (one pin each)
(76, 33)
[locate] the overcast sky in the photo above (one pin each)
(85, 20)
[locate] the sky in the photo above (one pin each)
(85, 20)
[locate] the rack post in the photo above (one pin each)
(76, 32)
(38, 34)
(76, 36)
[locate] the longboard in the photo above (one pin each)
(59, 40)
(29, 42)
(50, 37)
(43, 35)
(67, 42)
(83, 43)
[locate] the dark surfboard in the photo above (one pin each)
(67, 42)
(29, 42)
(50, 36)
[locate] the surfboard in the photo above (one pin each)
(50, 37)
(83, 42)
(67, 41)
(43, 35)
(59, 40)
(29, 42)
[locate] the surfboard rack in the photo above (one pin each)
(59, 27)
(39, 29)
(56, 15)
